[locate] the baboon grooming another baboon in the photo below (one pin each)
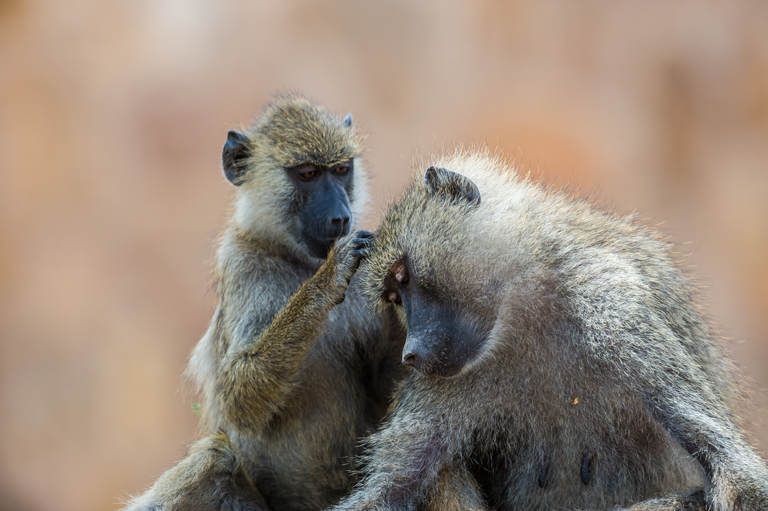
(557, 357)
(294, 369)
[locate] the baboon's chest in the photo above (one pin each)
(571, 438)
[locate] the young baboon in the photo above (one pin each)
(293, 369)
(558, 359)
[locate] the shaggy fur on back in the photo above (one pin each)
(599, 383)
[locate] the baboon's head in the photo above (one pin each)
(298, 174)
(422, 266)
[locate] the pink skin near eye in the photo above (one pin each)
(402, 277)
(400, 274)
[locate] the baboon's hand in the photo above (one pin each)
(347, 254)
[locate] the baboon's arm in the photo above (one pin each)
(256, 376)
(737, 476)
(694, 408)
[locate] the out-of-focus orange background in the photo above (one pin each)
(112, 118)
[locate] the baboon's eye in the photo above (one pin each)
(341, 168)
(304, 172)
(309, 174)
(393, 297)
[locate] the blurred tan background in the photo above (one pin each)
(112, 118)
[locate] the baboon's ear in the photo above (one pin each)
(234, 156)
(449, 184)
(348, 120)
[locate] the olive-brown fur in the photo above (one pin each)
(293, 369)
(598, 384)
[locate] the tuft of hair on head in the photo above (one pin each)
(302, 131)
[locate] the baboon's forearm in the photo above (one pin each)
(711, 438)
(255, 379)
(704, 424)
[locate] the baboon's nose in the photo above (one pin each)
(409, 359)
(340, 221)
(340, 225)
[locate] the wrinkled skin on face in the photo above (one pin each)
(323, 203)
(441, 341)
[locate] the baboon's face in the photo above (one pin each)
(441, 340)
(322, 203)
(319, 193)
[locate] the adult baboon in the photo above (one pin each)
(557, 357)
(293, 369)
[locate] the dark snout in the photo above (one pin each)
(413, 353)
(433, 355)
(338, 223)
(337, 217)
(325, 216)
(440, 341)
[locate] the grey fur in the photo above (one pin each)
(599, 384)
(291, 377)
